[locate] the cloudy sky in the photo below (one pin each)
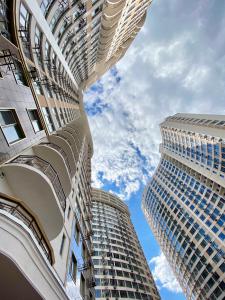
(176, 64)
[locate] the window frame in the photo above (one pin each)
(31, 109)
(73, 267)
(17, 122)
(62, 245)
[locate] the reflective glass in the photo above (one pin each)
(6, 117)
(12, 133)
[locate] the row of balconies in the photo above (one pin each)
(41, 177)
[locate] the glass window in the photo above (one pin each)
(10, 126)
(77, 234)
(34, 118)
(45, 4)
(131, 295)
(48, 118)
(123, 294)
(98, 293)
(62, 244)
(24, 16)
(73, 267)
(82, 285)
(68, 213)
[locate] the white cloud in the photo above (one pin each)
(172, 66)
(163, 274)
(196, 76)
(73, 291)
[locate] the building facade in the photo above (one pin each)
(45, 157)
(185, 201)
(45, 218)
(121, 270)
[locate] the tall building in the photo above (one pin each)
(45, 214)
(50, 51)
(120, 267)
(185, 201)
(120, 23)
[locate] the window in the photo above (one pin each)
(98, 293)
(83, 250)
(45, 5)
(123, 294)
(68, 214)
(55, 113)
(48, 118)
(18, 74)
(10, 126)
(24, 16)
(62, 244)
(73, 268)
(34, 118)
(38, 88)
(82, 285)
(77, 234)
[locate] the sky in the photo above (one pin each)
(176, 64)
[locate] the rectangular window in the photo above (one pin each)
(73, 268)
(82, 285)
(34, 118)
(38, 88)
(68, 214)
(83, 250)
(62, 244)
(48, 118)
(18, 74)
(55, 113)
(10, 126)
(77, 234)
(24, 17)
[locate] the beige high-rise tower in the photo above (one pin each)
(49, 51)
(184, 203)
(120, 22)
(121, 270)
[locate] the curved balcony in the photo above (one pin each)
(58, 159)
(142, 21)
(62, 142)
(18, 211)
(75, 135)
(113, 8)
(35, 182)
(68, 135)
(23, 256)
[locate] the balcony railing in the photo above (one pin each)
(87, 264)
(87, 235)
(65, 138)
(18, 211)
(46, 169)
(61, 151)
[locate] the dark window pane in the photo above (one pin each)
(35, 120)
(6, 117)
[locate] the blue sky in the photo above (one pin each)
(176, 64)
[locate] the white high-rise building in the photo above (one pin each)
(184, 203)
